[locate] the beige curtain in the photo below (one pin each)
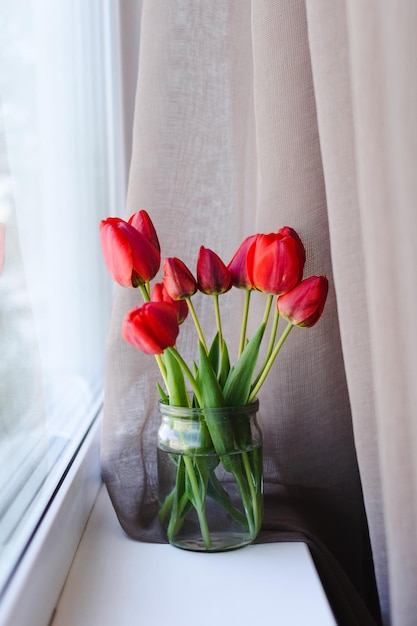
(251, 116)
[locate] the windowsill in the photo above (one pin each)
(34, 589)
(114, 580)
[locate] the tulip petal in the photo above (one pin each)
(273, 263)
(117, 252)
(178, 280)
(160, 294)
(238, 265)
(303, 305)
(213, 277)
(130, 258)
(143, 223)
(152, 327)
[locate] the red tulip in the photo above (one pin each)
(238, 267)
(130, 258)
(213, 277)
(178, 280)
(286, 231)
(160, 294)
(304, 304)
(151, 327)
(143, 223)
(274, 263)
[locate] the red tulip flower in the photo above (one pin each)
(238, 266)
(160, 294)
(213, 277)
(130, 257)
(151, 327)
(274, 263)
(143, 223)
(286, 231)
(304, 304)
(178, 280)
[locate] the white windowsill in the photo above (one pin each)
(114, 580)
(33, 592)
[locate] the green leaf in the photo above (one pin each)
(177, 391)
(221, 431)
(219, 359)
(214, 352)
(238, 384)
(211, 391)
(224, 366)
(162, 394)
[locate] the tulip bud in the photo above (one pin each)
(178, 280)
(130, 258)
(304, 304)
(237, 266)
(151, 327)
(143, 223)
(213, 277)
(273, 263)
(286, 231)
(160, 294)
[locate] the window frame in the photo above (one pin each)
(34, 589)
(38, 578)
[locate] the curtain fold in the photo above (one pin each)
(255, 115)
(365, 85)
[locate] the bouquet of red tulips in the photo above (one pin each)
(269, 263)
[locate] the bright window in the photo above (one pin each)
(61, 171)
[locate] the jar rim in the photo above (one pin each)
(185, 411)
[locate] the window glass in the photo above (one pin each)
(60, 173)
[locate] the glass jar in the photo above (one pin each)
(210, 476)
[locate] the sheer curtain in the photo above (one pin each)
(254, 115)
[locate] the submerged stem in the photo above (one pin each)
(200, 503)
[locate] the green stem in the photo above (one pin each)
(201, 509)
(145, 291)
(160, 360)
(189, 375)
(267, 308)
(273, 334)
(218, 320)
(176, 520)
(167, 505)
(270, 345)
(197, 323)
(218, 493)
(252, 489)
(246, 500)
(265, 370)
(244, 321)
